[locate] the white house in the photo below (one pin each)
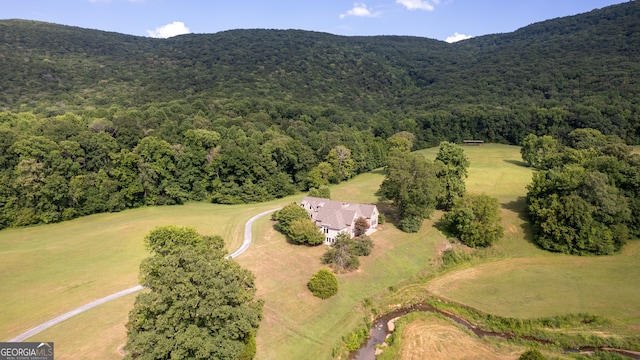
(334, 217)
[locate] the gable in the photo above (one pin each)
(334, 214)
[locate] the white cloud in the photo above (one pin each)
(169, 30)
(359, 9)
(427, 5)
(457, 37)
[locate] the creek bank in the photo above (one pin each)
(381, 330)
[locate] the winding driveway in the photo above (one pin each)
(245, 245)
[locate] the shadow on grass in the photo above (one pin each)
(519, 207)
(442, 225)
(517, 162)
(378, 171)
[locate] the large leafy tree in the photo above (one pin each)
(587, 204)
(575, 210)
(411, 183)
(287, 215)
(475, 220)
(540, 152)
(199, 304)
(453, 173)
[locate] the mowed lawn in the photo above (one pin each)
(530, 282)
(55, 268)
(51, 269)
(433, 337)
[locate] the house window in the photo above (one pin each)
(326, 230)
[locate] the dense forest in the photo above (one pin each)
(93, 121)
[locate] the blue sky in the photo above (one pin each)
(436, 19)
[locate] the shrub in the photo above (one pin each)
(360, 226)
(354, 339)
(287, 215)
(341, 254)
(323, 284)
(381, 218)
(362, 246)
(451, 257)
(532, 354)
(303, 231)
(250, 349)
(410, 224)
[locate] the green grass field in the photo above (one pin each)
(48, 270)
(51, 269)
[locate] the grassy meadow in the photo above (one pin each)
(51, 269)
(434, 337)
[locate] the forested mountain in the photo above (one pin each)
(97, 121)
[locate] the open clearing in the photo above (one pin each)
(51, 269)
(547, 286)
(432, 337)
(59, 267)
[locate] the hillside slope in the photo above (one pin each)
(555, 62)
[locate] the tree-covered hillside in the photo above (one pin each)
(94, 121)
(547, 77)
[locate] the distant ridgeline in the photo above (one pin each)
(94, 121)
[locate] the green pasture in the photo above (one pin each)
(551, 285)
(51, 269)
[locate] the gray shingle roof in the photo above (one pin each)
(337, 214)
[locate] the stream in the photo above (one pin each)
(380, 331)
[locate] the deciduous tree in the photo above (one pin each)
(303, 231)
(411, 183)
(475, 220)
(453, 174)
(287, 215)
(540, 152)
(200, 304)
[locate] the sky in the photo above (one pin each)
(447, 20)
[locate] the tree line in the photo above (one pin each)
(58, 168)
(585, 197)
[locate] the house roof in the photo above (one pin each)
(337, 214)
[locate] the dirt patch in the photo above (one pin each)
(121, 351)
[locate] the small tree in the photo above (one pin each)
(287, 215)
(475, 220)
(340, 255)
(360, 226)
(303, 231)
(323, 284)
(362, 245)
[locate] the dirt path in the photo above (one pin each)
(245, 245)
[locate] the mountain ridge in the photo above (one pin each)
(583, 61)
